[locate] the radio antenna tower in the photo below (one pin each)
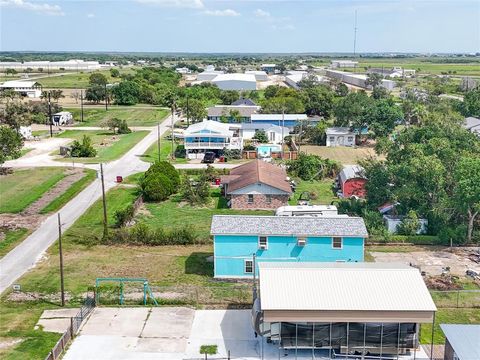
(355, 36)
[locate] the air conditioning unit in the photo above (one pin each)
(302, 242)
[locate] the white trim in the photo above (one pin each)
(341, 242)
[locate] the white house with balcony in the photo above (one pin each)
(210, 135)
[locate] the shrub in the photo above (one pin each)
(457, 234)
(196, 192)
(249, 147)
(180, 152)
(165, 168)
(313, 167)
(156, 187)
(409, 225)
(141, 234)
(122, 217)
(261, 136)
(123, 128)
(232, 154)
(83, 149)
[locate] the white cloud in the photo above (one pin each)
(192, 4)
(47, 9)
(90, 16)
(226, 12)
(261, 13)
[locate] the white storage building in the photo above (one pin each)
(236, 82)
(208, 75)
(358, 80)
(259, 75)
(343, 63)
(30, 89)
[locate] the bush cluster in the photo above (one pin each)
(83, 149)
(159, 182)
(313, 167)
(141, 234)
(124, 216)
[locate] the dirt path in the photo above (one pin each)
(72, 176)
(30, 218)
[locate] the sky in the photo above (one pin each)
(249, 26)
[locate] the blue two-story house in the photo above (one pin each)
(242, 241)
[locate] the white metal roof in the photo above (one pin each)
(352, 172)
(18, 84)
(234, 77)
(339, 131)
(278, 117)
(210, 125)
(342, 287)
(464, 339)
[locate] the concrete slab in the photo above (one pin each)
(59, 313)
(54, 325)
(116, 321)
(179, 320)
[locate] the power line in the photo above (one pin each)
(355, 36)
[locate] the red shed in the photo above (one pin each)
(352, 181)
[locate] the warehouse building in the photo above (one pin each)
(359, 80)
(259, 75)
(208, 75)
(343, 63)
(342, 309)
(71, 65)
(235, 81)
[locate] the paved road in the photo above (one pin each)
(24, 256)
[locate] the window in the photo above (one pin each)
(268, 198)
(262, 242)
(250, 199)
(350, 138)
(301, 241)
(332, 139)
(337, 243)
(248, 266)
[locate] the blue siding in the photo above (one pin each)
(231, 251)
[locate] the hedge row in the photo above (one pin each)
(416, 239)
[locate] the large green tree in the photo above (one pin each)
(10, 143)
(471, 103)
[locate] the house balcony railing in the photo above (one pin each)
(212, 145)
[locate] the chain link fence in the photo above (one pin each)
(456, 298)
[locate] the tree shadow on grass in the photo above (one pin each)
(198, 264)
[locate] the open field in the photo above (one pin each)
(77, 80)
(134, 116)
(342, 154)
(423, 66)
(24, 186)
(17, 324)
(109, 146)
(322, 190)
(12, 239)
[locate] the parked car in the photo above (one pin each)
(209, 157)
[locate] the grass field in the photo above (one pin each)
(109, 147)
(423, 66)
(18, 322)
(76, 80)
(24, 186)
(342, 154)
(323, 190)
(71, 192)
(12, 239)
(134, 116)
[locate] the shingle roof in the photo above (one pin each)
(258, 171)
(342, 287)
(288, 225)
(243, 101)
(219, 110)
(464, 339)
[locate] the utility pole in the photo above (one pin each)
(355, 36)
(81, 105)
(283, 125)
(50, 115)
(106, 98)
(105, 224)
(158, 142)
(188, 114)
(62, 287)
(173, 134)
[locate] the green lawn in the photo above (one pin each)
(17, 322)
(12, 239)
(448, 316)
(322, 189)
(134, 116)
(71, 192)
(109, 146)
(78, 80)
(342, 154)
(175, 213)
(25, 186)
